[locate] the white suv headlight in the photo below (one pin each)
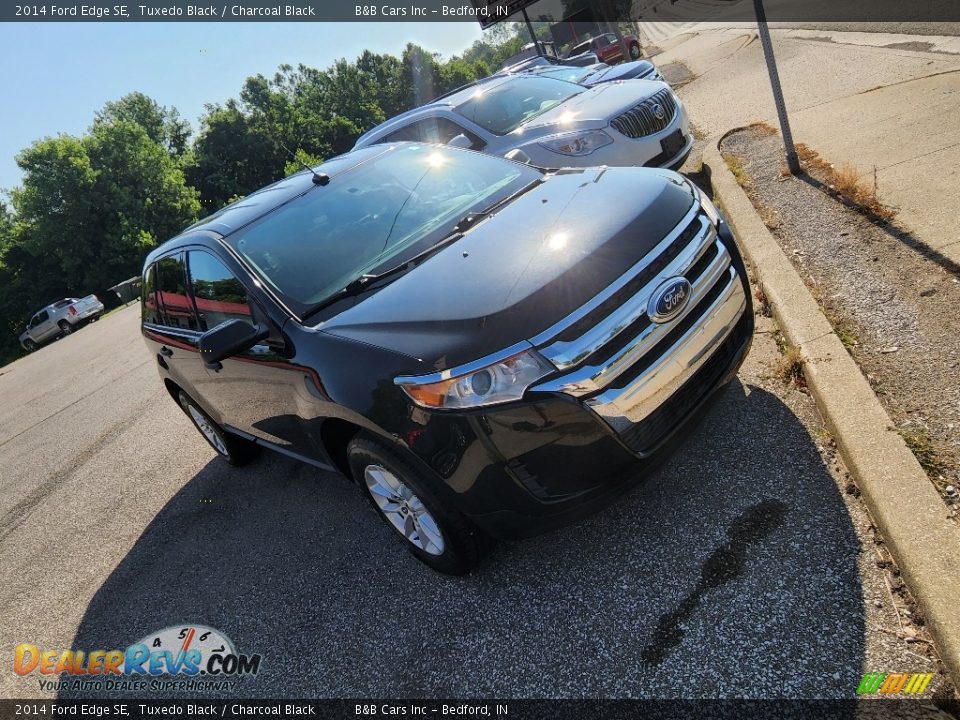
(499, 382)
(582, 142)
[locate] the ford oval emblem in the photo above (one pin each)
(669, 300)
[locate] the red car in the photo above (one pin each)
(608, 48)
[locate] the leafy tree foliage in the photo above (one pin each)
(249, 141)
(163, 125)
(90, 207)
(86, 213)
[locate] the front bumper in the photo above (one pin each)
(566, 485)
(624, 151)
(578, 441)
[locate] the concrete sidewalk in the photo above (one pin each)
(853, 99)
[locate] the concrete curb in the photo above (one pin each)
(904, 504)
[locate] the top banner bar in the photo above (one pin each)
(485, 12)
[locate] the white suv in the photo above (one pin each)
(552, 123)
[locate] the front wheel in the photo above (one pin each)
(235, 450)
(30, 345)
(436, 533)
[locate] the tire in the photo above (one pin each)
(65, 327)
(235, 450)
(30, 346)
(451, 544)
(635, 53)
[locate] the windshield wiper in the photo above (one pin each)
(361, 284)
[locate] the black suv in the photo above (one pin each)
(485, 348)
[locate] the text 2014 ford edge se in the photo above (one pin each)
(487, 349)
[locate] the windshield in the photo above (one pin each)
(507, 106)
(371, 217)
(567, 73)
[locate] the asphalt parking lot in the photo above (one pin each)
(740, 569)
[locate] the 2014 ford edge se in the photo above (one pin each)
(487, 349)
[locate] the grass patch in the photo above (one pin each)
(763, 302)
(842, 327)
(846, 335)
(923, 450)
(847, 183)
(762, 129)
(735, 163)
(824, 435)
(843, 330)
(789, 366)
(769, 217)
(778, 338)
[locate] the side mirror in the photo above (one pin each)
(230, 338)
(518, 155)
(460, 141)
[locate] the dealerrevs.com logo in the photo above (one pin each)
(180, 657)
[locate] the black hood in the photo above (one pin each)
(522, 270)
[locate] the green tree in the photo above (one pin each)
(163, 125)
(93, 206)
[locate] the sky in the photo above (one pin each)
(58, 75)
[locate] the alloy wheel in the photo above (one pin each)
(403, 509)
(207, 430)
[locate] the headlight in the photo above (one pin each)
(708, 207)
(577, 143)
(499, 382)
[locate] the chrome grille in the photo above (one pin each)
(624, 365)
(644, 119)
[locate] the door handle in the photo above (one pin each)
(167, 352)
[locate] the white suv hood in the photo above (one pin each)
(593, 108)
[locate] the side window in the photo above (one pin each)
(172, 292)
(219, 295)
(409, 132)
(42, 316)
(442, 130)
(148, 297)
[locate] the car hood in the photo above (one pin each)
(623, 71)
(593, 108)
(521, 270)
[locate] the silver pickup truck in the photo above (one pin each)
(58, 319)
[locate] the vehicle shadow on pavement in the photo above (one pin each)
(731, 571)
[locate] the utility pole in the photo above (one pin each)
(533, 35)
(612, 24)
(764, 32)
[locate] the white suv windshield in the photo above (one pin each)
(504, 108)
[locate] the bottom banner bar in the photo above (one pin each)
(522, 709)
